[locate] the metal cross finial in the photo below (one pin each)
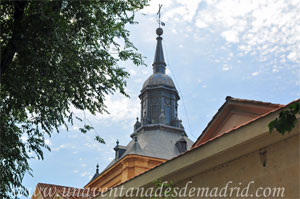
(97, 168)
(158, 13)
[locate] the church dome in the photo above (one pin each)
(159, 79)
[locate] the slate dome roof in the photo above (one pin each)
(159, 79)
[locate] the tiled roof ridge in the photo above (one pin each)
(229, 98)
(58, 189)
(210, 140)
(47, 184)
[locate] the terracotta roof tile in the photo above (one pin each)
(229, 98)
(49, 191)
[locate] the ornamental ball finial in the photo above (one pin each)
(159, 31)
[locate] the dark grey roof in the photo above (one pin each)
(134, 148)
(96, 174)
(121, 147)
(159, 64)
(159, 79)
(155, 143)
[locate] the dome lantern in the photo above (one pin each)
(159, 96)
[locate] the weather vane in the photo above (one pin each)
(160, 22)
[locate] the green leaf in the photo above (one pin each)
(99, 139)
(286, 120)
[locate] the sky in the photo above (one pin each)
(247, 49)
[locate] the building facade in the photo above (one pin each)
(233, 158)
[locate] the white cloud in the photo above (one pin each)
(260, 28)
(168, 71)
(226, 67)
(182, 10)
(48, 142)
(121, 108)
(75, 128)
(24, 138)
(275, 70)
(201, 24)
(231, 36)
(293, 56)
(188, 9)
(255, 73)
(139, 80)
(132, 72)
(59, 147)
(153, 6)
(84, 174)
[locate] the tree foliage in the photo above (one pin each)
(56, 55)
(163, 189)
(287, 119)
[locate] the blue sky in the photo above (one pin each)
(247, 49)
